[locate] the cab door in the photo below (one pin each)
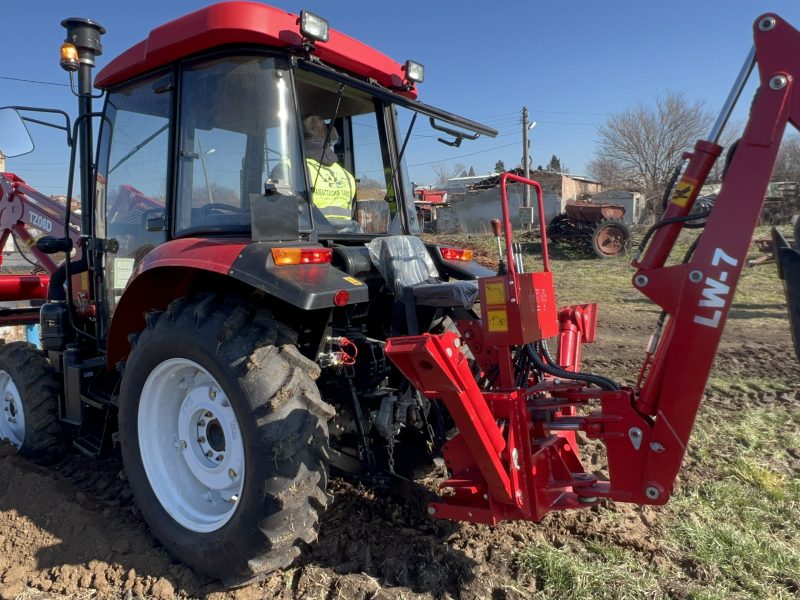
(132, 181)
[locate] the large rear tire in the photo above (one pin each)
(224, 437)
(29, 396)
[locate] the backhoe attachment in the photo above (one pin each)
(518, 409)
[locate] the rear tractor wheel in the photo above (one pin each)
(224, 438)
(611, 237)
(29, 395)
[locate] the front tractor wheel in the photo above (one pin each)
(29, 396)
(224, 438)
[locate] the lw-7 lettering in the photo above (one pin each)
(716, 293)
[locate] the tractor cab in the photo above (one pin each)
(260, 127)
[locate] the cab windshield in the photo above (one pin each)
(237, 122)
(320, 155)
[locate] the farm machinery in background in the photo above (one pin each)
(428, 204)
(25, 216)
(237, 344)
(594, 227)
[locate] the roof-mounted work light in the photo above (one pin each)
(415, 72)
(313, 26)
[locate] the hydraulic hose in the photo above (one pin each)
(670, 221)
(553, 369)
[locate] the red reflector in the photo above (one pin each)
(301, 256)
(456, 253)
(341, 297)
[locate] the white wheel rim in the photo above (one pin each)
(191, 445)
(12, 413)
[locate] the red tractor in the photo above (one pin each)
(237, 343)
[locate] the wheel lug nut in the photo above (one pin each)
(201, 440)
(220, 457)
(209, 454)
(232, 474)
(201, 422)
(209, 414)
(212, 393)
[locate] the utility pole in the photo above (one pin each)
(526, 198)
(526, 210)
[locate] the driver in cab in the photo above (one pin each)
(333, 186)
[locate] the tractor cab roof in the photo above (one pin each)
(229, 23)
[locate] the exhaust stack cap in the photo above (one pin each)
(85, 35)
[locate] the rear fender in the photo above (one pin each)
(173, 269)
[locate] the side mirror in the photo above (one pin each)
(14, 137)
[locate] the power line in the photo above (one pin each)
(34, 81)
(431, 162)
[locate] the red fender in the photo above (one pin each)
(164, 274)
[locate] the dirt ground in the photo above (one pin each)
(71, 530)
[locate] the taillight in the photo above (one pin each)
(456, 254)
(341, 298)
(301, 256)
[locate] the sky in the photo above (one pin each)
(572, 63)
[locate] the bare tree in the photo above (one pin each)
(640, 146)
(444, 172)
(787, 167)
(611, 175)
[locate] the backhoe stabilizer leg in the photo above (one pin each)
(788, 260)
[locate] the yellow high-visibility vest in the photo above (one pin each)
(334, 188)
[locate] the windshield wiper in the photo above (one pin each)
(138, 147)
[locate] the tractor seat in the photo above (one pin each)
(408, 269)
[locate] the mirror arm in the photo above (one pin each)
(66, 128)
(53, 125)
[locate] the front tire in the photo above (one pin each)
(29, 397)
(224, 437)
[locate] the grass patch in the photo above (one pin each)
(595, 570)
(723, 439)
(738, 539)
(737, 532)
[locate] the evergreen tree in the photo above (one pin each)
(554, 164)
(499, 167)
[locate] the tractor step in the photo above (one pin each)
(91, 446)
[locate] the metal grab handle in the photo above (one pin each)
(507, 221)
